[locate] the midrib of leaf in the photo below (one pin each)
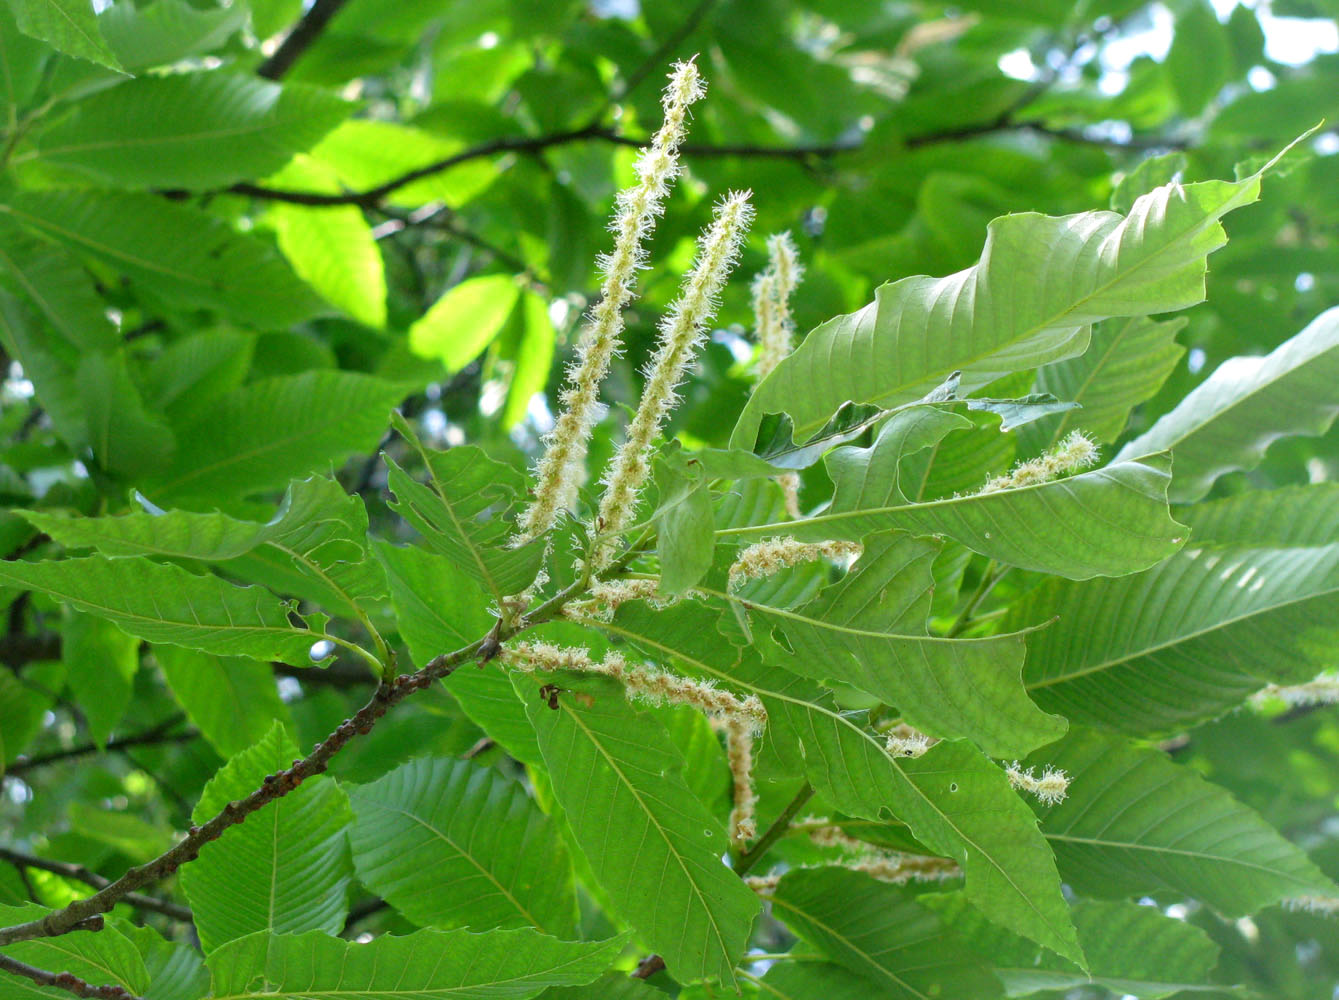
(19, 275)
(669, 845)
(189, 277)
(1132, 845)
(484, 571)
(114, 613)
(441, 834)
(811, 706)
(947, 502)
(271, 445)
(129, 141)
(96, 962)
(1173, 641)
(96, 43)
(866, 956)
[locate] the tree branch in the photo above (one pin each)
(81, 874)
(664, 50)
(64, 980)
(154, 736)
(304, 33)
(275, 786)
(774, 832)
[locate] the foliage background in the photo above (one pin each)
(186, 271)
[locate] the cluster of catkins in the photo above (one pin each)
(561, 469)
(684, 327)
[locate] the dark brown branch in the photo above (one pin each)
(372, 197)
(275, 786)
(64, 981)
(81, 874)
(157, 735)
(304, 33)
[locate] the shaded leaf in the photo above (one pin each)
(68, 26)
(233, 701)
(449, 844)
(1229, 420)
(1135, 822)
(616, 769)
(879, 932)
(497, 965)
(286, 869)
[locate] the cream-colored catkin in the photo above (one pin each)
(902, 868)
(739, 733)
(682, 330)
(905, 741)
(561, 468)
(1072, 454)
(1050, 789)
(605, 597)
(1323, 690)
(776, 331)
(772, 289)
(772, 555)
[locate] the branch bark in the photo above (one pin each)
(81, 874)
(64, 981)
(304, 33)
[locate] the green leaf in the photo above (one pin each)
(1231, 418)
(459, 325)
(1185, 641)
(105, 958)
(878, 931)
(533, 360)
(166, 31)
(22, 58)
(463, 484)
(127, 439)
(1295, 516)
(1014, 413)
(615, 769)
(459, 965)
(684, 522)
(262, 435)
(54, 281)
(331, 247)
(1132, 950)
(953, 798)
(68, 26)
(283, 871)
(189, 130)
(1134, 822)
(1126, 363)
(803, 980)
(775, 442)
(190, 373)
(231, 700)
(1029, 301)
(449, 844)
(101, 662)
(438, 608)
(183, 253)
(1114, 520)
(869, 630)
(176, 971)
(1199, 62)
(165, 603)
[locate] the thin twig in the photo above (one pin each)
(154, 736)
(774, 832)
(304, 33)
(663, 51)
(64, 980)
(79, 873)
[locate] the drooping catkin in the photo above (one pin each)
(775, 330)
(1050, 788)
(772, 555)
(739, 732)
(682, 330)
(560, 469)
(771, 302)
(1075, 452)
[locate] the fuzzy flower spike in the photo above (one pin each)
(771, 302)
(560, 469)
(681, 331)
